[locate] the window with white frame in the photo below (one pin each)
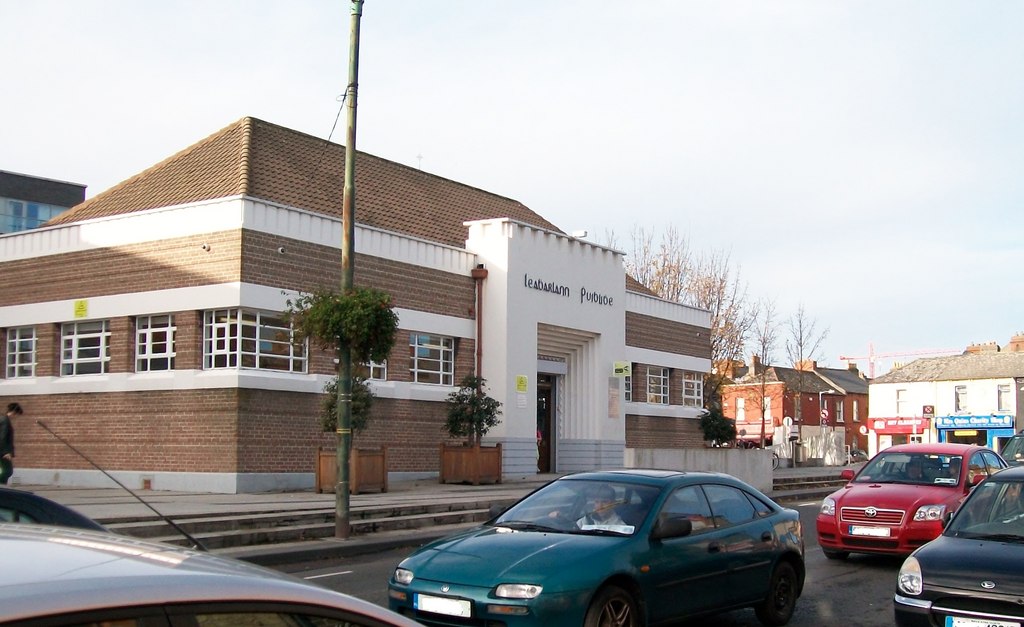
(693, 389)
(766, 410)
(901, 402)
(741, 409)
(154, 343)
(1003, 402)
(432, 358)
(856, 412)
(838, 410)
(627, 389)
(85, 347)
(377, 371)
(241, 338)
(960, 398)
(657, 385)
(21, 352)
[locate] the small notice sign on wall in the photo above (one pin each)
(81, 309)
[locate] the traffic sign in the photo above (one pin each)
(824, 416)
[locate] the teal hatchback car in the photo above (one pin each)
(613, 548)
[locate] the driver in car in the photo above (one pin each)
(604, 512)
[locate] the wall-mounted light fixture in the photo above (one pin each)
(205, 247)
(280, 250)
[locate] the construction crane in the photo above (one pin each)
(872, 355)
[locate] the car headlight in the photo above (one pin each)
(909, 580)
(517, 591)
(828, 507)
(930, 512)
(403, 576)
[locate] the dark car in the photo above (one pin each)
(629, 548)
(1013, 450)
(21, 506)
(898, 500)
(61, 576)
(971, 575)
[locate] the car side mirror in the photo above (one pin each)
(671, 527)
(978, 478)
(847, 474)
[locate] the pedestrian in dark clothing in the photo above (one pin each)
(7, 442)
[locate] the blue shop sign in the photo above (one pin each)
(988, 421)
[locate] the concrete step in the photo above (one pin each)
(229, 538)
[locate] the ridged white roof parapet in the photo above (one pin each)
(226, 214)
(667, 310)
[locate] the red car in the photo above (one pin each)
(898, 500)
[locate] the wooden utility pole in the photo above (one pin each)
(342, 528)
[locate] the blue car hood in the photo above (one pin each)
(485, 556)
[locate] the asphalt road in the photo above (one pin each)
(856, 592)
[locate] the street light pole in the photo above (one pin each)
(342, 529)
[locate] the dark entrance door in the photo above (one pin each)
(545, 397)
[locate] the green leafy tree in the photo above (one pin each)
(361, 319)
(471, 413)
(716, 427)
(362, 402)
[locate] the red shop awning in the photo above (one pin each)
(901, 424)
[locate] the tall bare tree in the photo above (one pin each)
(764, 338)
(803, 345)
(673, 271)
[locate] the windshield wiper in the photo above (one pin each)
(1001, 537)
(601, 532)
(523, 525)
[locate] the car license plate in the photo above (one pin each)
(878, 532)
(959, 621)
(442, 605)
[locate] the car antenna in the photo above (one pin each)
(195, 543)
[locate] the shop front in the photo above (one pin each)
(886, 432)
(989, 430)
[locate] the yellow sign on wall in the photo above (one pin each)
(81, 309)
(623, 369)
(522, 383)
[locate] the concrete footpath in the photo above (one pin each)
(115, 505)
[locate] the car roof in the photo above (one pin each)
(648, 476)
(943, 448)
(62, 570)
(46, 511)
(1012, 473)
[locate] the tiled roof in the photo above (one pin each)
(958, 368)
(810, 381)
(262, 160)
(845, 380)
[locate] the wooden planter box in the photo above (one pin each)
(367, 470)
(470, 464)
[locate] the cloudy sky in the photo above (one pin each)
(862, 158)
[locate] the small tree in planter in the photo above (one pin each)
(716, 427)
(362, 322)
(470, 414)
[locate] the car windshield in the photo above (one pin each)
(1013, 450)
(994, 511)
(912, 468)
(581, 506)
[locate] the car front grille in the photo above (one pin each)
(1008, 610)
(859, 515)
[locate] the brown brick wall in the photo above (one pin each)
(659, 432)
(150, 266)
(665, 335)
(180, 430)
(305, 266)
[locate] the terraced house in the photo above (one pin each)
(145, 325)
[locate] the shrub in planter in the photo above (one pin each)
(471, 413)
(716, 427)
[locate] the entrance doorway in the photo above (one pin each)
(545, 412)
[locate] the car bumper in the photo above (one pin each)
(485, 609)
(915, 612)
(836, 536)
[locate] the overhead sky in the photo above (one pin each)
(862, 158)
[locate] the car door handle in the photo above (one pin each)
(715, 547)
(766, 536)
